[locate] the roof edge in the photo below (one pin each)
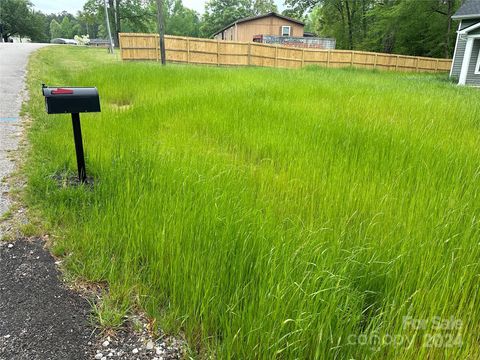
(469, 28)
(466, 17)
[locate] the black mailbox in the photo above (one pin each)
(61, 100)
(73, 100)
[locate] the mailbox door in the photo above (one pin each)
(71, 100)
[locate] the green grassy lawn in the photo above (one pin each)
(267, 213)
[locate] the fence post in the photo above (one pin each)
(375, 61)
(188, 51)
(436, 65)
(328, 58)
(351, 58)
(218, 52)
(416, 65)
(276, 55)
(120, 40)
(303, 58)
(249, 59)
(396, 65)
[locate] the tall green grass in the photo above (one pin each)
(268, 213)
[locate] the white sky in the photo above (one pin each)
(72, 6)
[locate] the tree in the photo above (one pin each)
(90, 18)
(40, 24)
(263, 7)
(124, 15)
(220, 13)
(446, 9)
(345, 20)
(55, 29)
(66, 28)
(18, 18)
(410, 27)
(181, 21)
(138, 16)
(420, 28)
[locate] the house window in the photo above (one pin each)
(286, 30)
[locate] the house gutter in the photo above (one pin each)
(466, 17)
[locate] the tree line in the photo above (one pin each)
(412, 27)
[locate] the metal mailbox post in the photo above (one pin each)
(73, 100)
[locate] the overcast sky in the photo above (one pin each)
(72, 6)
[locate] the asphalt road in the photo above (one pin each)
(13, 63)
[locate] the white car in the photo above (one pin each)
(64, 41)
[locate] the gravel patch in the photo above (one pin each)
(130, 344)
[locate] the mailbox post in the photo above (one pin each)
(73, 100)
(77, 137)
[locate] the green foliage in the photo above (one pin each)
(140, 16)
(66, 28)
(39, 23)
(220, 13)
(181, 20)
(268, 213)
(18, 18)
(260, 7)
(413, 27)
(55, 29)
(134, 15)
(410, 27)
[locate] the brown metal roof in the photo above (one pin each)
(260, 17)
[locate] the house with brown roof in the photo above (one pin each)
(268, 24)
(273, 28)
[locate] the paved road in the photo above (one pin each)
(13, 62)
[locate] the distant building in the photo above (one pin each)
(466, 59)
(99, 43)
(272, 28)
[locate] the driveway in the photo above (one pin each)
(13, 63)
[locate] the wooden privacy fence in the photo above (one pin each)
(135, 46)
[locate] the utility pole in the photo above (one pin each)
(161, 30)
(108, 26)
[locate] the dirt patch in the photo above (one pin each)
(121, 105)
(66, 179)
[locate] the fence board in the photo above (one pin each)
(136, 46)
